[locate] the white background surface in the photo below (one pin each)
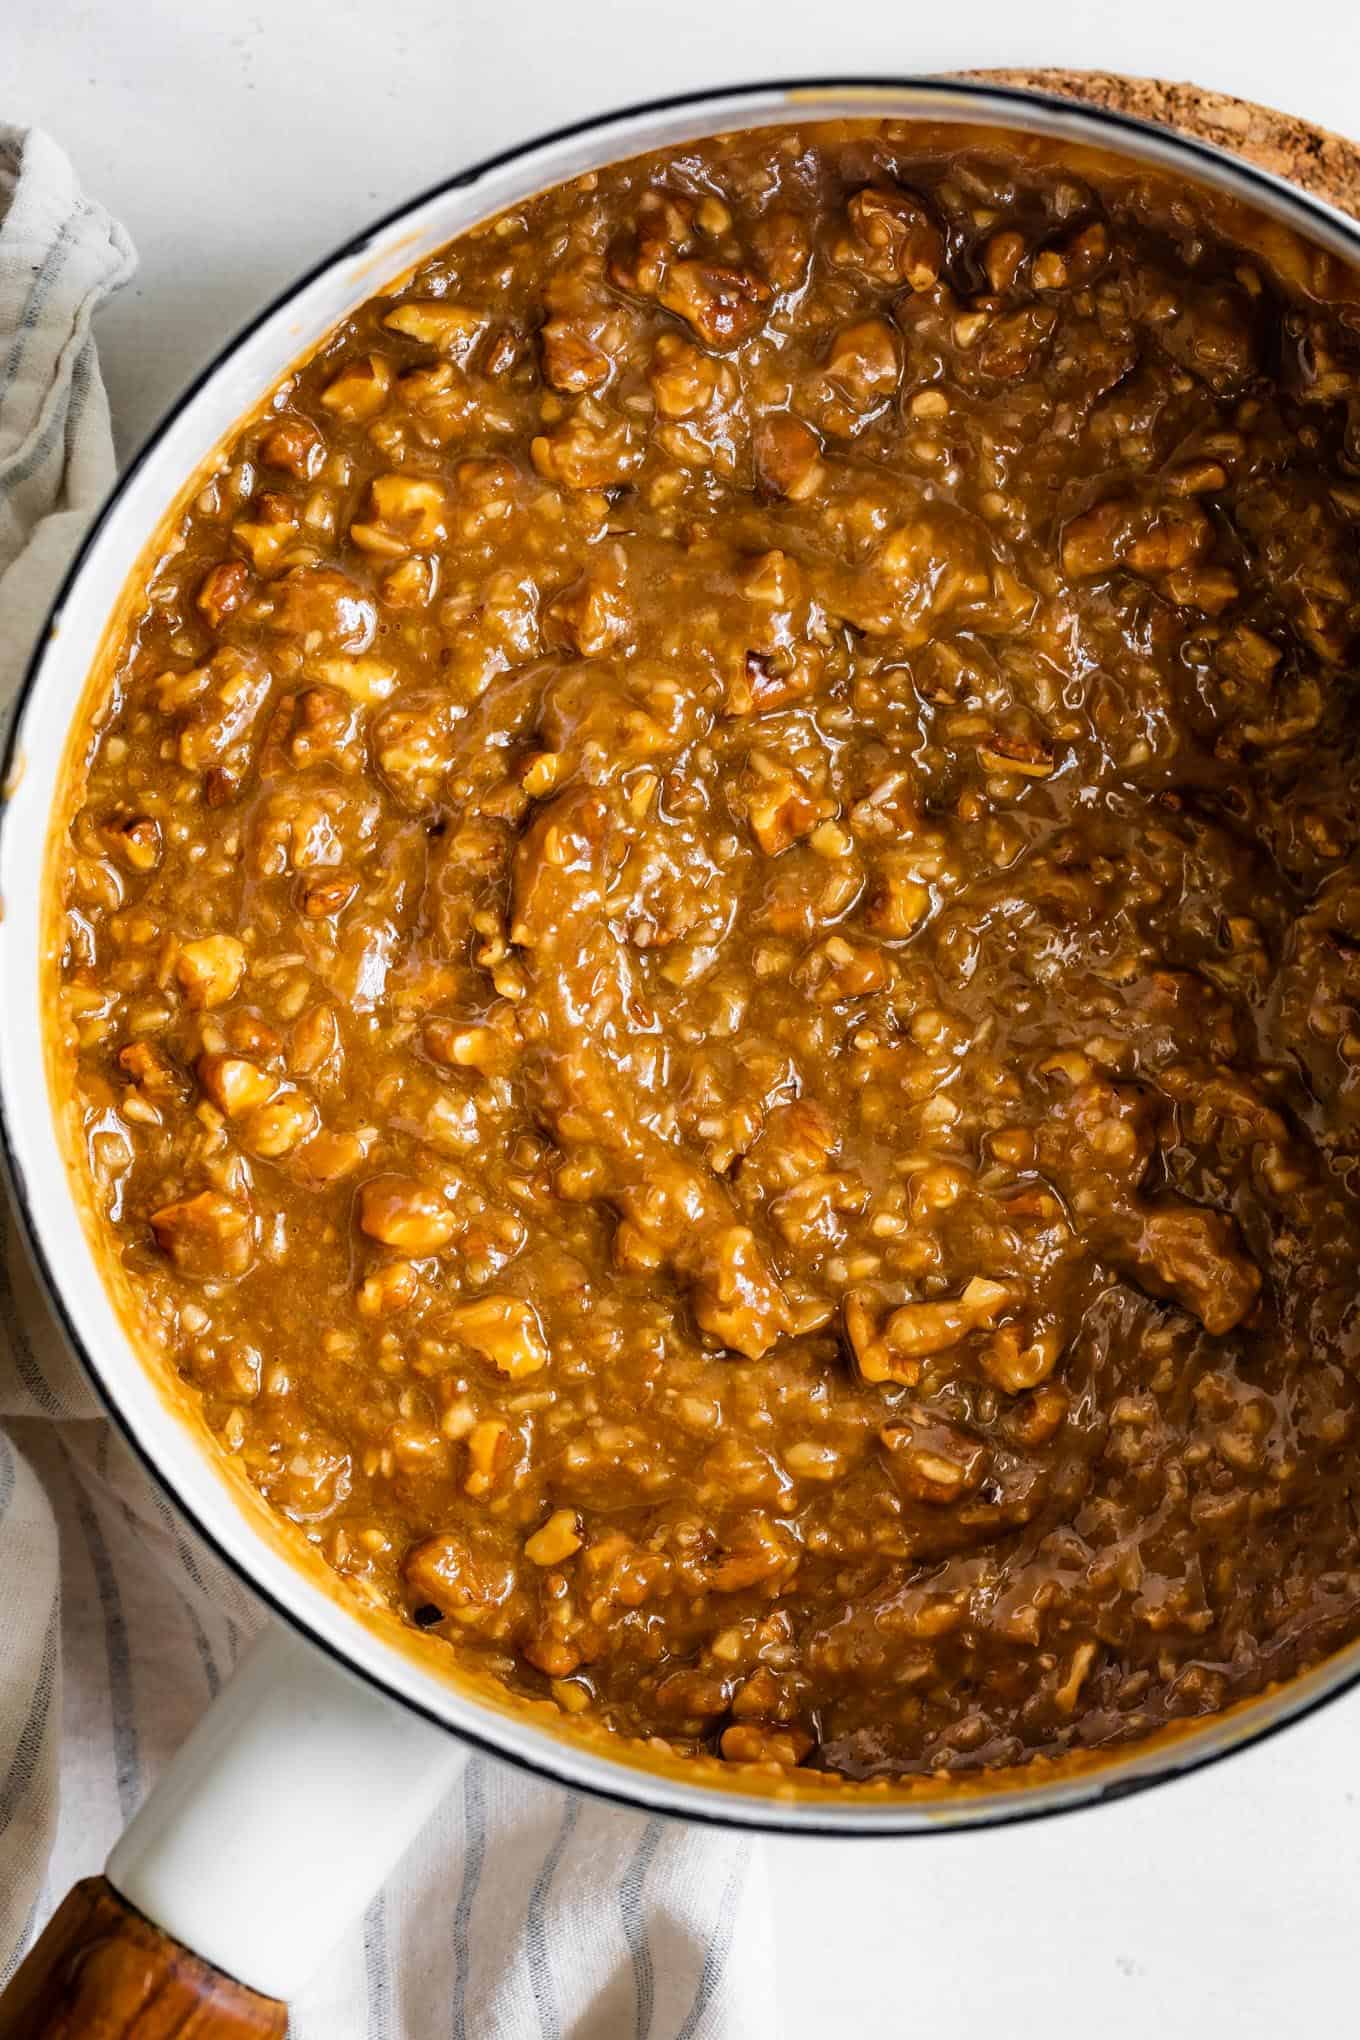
(238, 142)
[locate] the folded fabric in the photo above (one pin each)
(522, 1908)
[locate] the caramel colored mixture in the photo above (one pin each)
(711, 947)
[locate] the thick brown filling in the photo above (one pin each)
(712, 945)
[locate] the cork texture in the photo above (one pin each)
(1315, 159)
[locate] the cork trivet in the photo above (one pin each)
(1320, 162)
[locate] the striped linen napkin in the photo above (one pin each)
(522, 1909)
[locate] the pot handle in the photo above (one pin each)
(102, 1972)
(263, 1840)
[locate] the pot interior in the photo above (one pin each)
(90, 606)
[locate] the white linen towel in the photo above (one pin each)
(522, 1909)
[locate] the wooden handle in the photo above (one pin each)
(101, 1971)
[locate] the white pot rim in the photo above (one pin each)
(30, 767)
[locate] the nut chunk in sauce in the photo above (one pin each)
(711, 954)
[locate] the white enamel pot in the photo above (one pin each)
(246, 1851)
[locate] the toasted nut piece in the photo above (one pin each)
(935, 1462)
(1196, 1258)
(466, 1047)
(135, 841)
(736, 1296)
(694, 1696)
(152, 1072)
(325, 609)
(1211, 589)
(360, 390)
(764, 1553)
(592, 614)
(897, 905)
(1083, 1657)
(504, 1330)
(782, 244)
(265, 539)
(316, 1040)
(838, 970)
(211, 970)
(296, 446)
(328, 1157)
(438, 323)
(249, 1035)
(365, 680)
(1013, 1145)
(1172, 542)
(572, 361)
(918, 1329)
(724, 305)
(324, 893)
(402, 1213)
(442, 1570)
(755, 1742)
(1024, 756)
(1037, 1419)
(780, 806)
(556, 1540)
(284, 1123)
(788, 457)
(209, 1236)
(1014, 1366)
(861, 1329)
(1093, 542)
(222, 589)
(1197, 477)
(235, 1085)
(552, 1654)
(684, 379)
(891, 237)
(808, 1459)
(407, 513)
(864, 360)
(1001, 258)
(387, 1290)
(488, 1448)
(583, 454)
(1087, 253)
(774, 580)
(411, 583)
(894, 1351)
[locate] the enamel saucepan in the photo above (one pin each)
(243, 1867)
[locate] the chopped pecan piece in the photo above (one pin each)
(788, 457)
(504, 1330)
(402, 1213)
(210, 1236)
(890, 237)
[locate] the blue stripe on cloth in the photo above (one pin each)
(377, 1971)
(474, 1855)
(9, 1472)
(207, 1658)
(127, 1756)
(63, 424)
(24, 1762)
(715, 1958)
(635, 1924)
(20, 1948)
(15, 1337)
(541, 1974)
(42, 287)
(171, 1524)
